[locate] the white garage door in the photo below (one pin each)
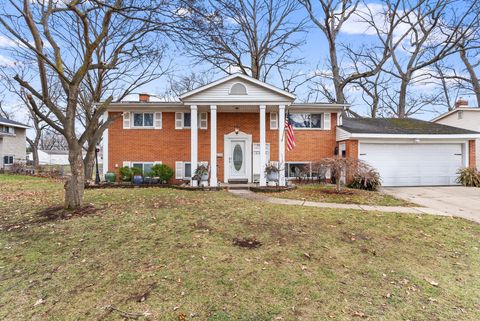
(414, 164)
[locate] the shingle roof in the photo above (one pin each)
(11, 122)
(399, 126)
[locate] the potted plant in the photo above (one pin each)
(110, 177)
(201, 173)
(272, 172)
(125, 173)
(137, 175)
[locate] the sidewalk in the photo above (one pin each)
(246, 194)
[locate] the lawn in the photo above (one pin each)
(169, 254)
(327, 194)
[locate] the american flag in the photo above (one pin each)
(289, 133)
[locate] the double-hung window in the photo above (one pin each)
(7, 130)
(143, 119)
(7, 160)
(310, 120)
(184, 120)
(146, 168)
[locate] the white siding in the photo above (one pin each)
(221, 92)
(470, 120)
(342, 134)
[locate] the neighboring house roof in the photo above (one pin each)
(8, 122)
(241, 76)
(54, 152)
(453, 111)
(367, 127)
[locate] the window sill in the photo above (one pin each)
(144, 127)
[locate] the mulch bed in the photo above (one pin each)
(60, 213)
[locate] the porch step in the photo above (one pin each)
(238, 181)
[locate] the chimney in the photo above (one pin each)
(461, 103)
(144, 98)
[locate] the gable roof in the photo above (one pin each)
(453, 111)
(239, 76)
(397, 126)
(8, 122)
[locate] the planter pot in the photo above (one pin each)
(137, 179)
(272, 176)
(110, 177)
(204, 178)
(147, 180)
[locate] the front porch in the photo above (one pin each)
(242, 150)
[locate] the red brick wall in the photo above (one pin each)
(472, 161)
(170, 145)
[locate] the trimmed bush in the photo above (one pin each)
(162, 171)
(136, 171)
(125, 173)
(367, 179)
(469, 177)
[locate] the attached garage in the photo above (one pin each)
(409, 152)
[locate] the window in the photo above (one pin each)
(184, 120)
(146, 168)
(293, 170)
(238, 89)
(7, 160)
(305, 120)
(183, 170)
(143, 119)
(7, 130)
(273, 121)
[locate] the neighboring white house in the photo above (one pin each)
(13, 142)
(55, 157)
(464, 117)
(51, 157)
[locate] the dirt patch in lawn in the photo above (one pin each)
(55, 213)
(247, 242)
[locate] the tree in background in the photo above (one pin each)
(44, 31)
(255, 37)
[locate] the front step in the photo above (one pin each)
(238, 181)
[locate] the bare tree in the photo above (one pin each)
(51, 140)
(44, 30)
(180, 85)
(330, 16)
(435, 31)
(256, 37)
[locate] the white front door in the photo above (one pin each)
(237, 159)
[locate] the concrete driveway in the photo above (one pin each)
(452, 200)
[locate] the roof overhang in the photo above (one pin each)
(14, 125)
(348, 135)
(239, 76)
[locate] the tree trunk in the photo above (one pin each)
(473, 75)
(35, 155)
(337, 79)
(89, 163)
(75, 185)
(402, 99)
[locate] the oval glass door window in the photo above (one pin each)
(237, 157)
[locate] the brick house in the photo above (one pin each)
(235, 125)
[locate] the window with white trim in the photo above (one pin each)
(303, 170)
(7, 160)
(7, 129)
(143, 119)
(183, 170)
(203, 120)
(273, 121)
(145, 167)
(183, 120)
(306, 120)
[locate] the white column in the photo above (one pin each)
(281, 144)
(263, 180)
(105, 145)
(194, 141)
(213, 145)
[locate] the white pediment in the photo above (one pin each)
(237, 88)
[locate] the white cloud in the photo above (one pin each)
(6, 42)
(6, 62)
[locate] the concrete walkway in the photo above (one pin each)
(246, 194)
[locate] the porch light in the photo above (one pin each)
(237, 129)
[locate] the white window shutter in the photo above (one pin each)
(273, 121)
(126, 120)
(158, 121)
(179, 170)
(203, 120)
(178, 120)
(126, 164)
(328, 173)
(339, 119)
(326, 121)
